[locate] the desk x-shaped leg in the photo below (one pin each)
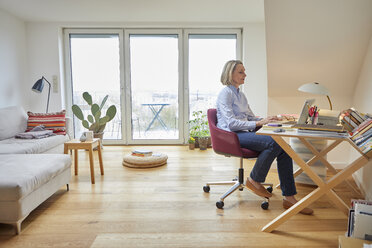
(324, 188)
(156, 116)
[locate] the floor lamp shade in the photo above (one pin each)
(39, 86)
(316, 88)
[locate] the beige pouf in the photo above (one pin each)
(155, 160)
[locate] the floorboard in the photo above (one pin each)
(166, 207)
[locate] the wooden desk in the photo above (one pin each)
(324, 188)
(87, 145)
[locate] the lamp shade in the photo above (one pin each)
(314, 88)
(38, 86)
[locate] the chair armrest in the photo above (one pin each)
(69, 127)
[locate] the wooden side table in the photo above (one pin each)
(86, 145)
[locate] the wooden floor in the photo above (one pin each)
(166, 207)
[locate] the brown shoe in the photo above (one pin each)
(261, 191)
(287, 204)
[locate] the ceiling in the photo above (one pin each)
(321, 41)
(135, 10)
(307, 41)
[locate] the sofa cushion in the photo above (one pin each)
(52, 121)
(13, 120)
(21, 174)
(29, 146)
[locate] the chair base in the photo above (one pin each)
(237, 183)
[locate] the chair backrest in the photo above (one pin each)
(225, 142)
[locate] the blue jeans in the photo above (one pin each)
(269, 150)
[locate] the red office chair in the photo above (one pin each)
(227, 144)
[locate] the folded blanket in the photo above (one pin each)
(35, 134)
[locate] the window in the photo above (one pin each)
(155, 77)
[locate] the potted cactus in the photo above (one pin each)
(94, 121)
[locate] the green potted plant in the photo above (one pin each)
(94, 121)
(191, 143)
(199, 128)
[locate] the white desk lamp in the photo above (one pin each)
(316, 88)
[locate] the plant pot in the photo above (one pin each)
(209, 145)
(203, 143)
(192, 146)
(100, 136)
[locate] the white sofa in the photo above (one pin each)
(28, 176)
(13, 120)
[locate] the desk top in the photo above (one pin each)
(295, 133)
(327, 136)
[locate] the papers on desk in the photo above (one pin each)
(273, 126)
(322, 133)
(360, 220)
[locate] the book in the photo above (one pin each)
(322, 133)
(354, 201)
(362, 221)
(360, 130)
(142, 153)
(347, 126)
(362, 140)
(350, 121)
(273, 126)
(332, 128)
(356, 115)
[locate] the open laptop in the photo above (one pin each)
(301, 123)
(305, 111)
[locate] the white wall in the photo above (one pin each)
(362, 101)
(13, 60)
(254, 58)
(44, 60)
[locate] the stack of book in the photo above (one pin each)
(353, 119)
(360, 220)
(362, 136)
(142, 153)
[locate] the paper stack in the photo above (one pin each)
(360, 220)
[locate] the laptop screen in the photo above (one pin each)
(305, 111)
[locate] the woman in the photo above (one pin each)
(234, 114)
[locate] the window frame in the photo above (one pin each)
(125, 87)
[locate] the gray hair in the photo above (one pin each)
(226, 76)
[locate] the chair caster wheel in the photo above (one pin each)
(265, 205)
(219, 204)
(270, 189)
(206, 189)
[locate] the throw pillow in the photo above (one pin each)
(51, 121)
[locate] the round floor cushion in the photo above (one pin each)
(157, 159)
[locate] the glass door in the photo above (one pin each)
(156, 78)
(154, 86)
(208, 51)
(95, 68)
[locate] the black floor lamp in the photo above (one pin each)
(38, 87)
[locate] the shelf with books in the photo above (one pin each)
(361, 136)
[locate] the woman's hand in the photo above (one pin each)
(267, 120)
